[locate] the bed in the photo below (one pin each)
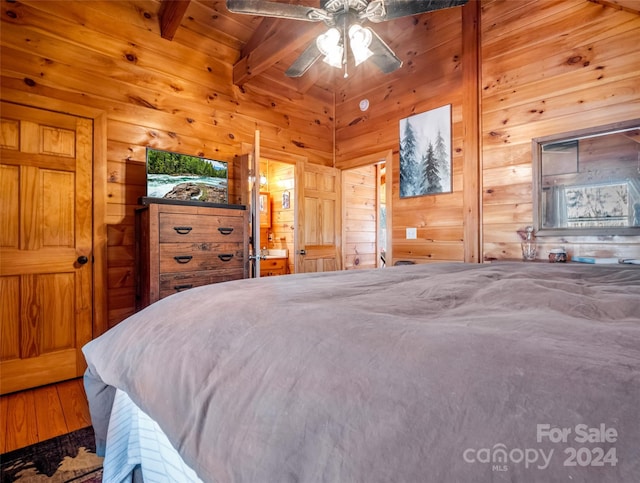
(442, 372)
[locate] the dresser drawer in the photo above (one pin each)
(189, 257)
(171, 283)
(184, 227)
(273, 266)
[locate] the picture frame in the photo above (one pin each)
(597, 205)
(265, 210)
(425, 153)
(286, 200)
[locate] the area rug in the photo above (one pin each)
(67, 458)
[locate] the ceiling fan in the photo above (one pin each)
(345, 19)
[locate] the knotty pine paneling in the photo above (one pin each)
(432, 78)
(428, 251)
(173, 95)
(120, 277)
(547, 66)
(360, 217)
(550, 67)
(436, 234)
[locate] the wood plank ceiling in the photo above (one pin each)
(263, 48)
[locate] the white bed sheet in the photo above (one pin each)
(135, 439)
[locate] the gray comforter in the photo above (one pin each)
(427, 373)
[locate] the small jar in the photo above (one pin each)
(558, 255)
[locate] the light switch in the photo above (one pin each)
(412, 233)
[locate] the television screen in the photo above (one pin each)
(174, 176)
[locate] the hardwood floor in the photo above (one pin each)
(34, 415)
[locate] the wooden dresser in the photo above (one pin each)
(181, 245)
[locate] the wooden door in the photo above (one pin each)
(319, 223)
(45, 246)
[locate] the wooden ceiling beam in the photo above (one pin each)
(271, 44)
(268, 27)
(631, 6)
(170, 15)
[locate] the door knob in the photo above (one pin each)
(82, 260)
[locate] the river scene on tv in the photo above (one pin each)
(186, 178)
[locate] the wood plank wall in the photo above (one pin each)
(548, 66)
(173, 95)
(431, 77)
(360, 217)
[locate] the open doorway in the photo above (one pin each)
(364, 216)
(277, 217)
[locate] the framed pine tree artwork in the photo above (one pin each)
(425, 153)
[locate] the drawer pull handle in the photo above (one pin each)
(225, 257)
(182, 230)
(183, 258)
(225, 230)
(186, 286)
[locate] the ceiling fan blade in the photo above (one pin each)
(380, 10)
(383, 56)
(275, 9)
(306, 60)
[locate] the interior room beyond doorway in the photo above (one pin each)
(364, 217)
(277, 217)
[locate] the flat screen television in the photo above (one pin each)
(174, 176)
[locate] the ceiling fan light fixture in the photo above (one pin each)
(334, 59)
(347, 15)
(360, 40)
(328, 44)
